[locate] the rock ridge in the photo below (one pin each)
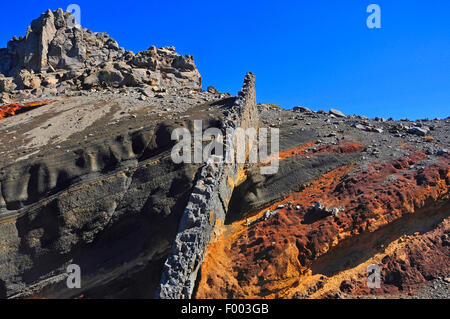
(208, 204)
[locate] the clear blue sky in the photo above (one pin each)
(318, 54)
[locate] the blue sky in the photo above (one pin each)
(318, 54)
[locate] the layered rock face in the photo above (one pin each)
(57, 53)
(351, 193)
(90, 181)
(87, 178)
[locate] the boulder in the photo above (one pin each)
(137, 76)
(301, 109)
(337, 113)
(212, 89)
(110, 76)
(421, 131)
(7, 84)
(361, 127)
(49, 80)
(26, 80)
(377, 130)
(5, 98)
(90, 79)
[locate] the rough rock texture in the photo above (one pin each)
(208, 203)
(89, 180)
(7, 84)
(86, 178)
(343, 199)
(55, 52)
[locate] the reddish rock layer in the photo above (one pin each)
(8, 110)
(295, 252)
(308, 149)
(414, 260)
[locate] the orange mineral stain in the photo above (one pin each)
(277, 257)
(8, 110)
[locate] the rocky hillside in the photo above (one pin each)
(351, 192)
(87, 178)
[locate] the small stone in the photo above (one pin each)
(418, 131)
(319, 206)
(337, 113)
(301, 109)
(212, 90)
(335, 211)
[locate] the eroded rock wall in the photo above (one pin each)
(112, 208)
(114, 204)
(108, 203)
(208, 204)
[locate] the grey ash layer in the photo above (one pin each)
(88, 179)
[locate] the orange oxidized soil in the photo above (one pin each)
(342, 147)
(277, 257)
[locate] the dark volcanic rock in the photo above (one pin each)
(87, 178)
(110, 203)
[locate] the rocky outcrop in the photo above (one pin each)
(55, 210)
(55, 51)
(53, 42)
